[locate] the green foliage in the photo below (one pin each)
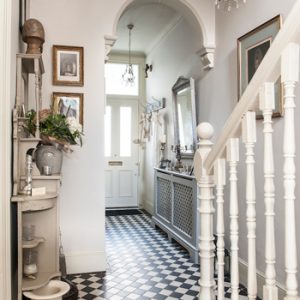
(53, 127)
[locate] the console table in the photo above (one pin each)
(175, 208)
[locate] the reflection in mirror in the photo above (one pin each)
(184, 116)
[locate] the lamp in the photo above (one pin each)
(228, 4)
(128, 76)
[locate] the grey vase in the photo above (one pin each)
(48, 156)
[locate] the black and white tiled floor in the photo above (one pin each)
(142, 264)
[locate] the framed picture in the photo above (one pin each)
(67, 65)
(252, 48)
(69, 105)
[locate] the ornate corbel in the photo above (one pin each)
(109, 43)
(207, 56)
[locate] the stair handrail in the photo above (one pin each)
(268, 70)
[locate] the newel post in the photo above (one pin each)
(206, 210)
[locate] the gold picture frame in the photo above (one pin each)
(252, 47)
(69, 105)
(68, 65)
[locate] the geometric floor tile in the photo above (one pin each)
(142, 264)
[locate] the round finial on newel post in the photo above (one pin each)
(205, 131)
(33, 35)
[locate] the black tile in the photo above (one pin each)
(141, 259)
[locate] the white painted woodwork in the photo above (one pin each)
(220, 181)
(249, 139)
(6, 38)
(121, 172)
(269, 70)
(41, 211)
(206, 211)
(267, 105)
(233, 158)
(289, 77)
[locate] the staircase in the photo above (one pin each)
(211, 161)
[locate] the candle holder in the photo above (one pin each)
(177, 149)
(27, 190)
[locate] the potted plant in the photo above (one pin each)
(57, 133)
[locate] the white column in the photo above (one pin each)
(206, 211)
(267, 105)
(233, 158)
(220, 181)
(289, 77)
(249, 139)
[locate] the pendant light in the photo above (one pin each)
(128, 76)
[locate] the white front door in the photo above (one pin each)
(121, 154)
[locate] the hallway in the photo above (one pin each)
(142, 264)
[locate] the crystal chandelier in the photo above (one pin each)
(228, 4)
(128, 76)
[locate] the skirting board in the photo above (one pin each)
(149, 207)
(86, 262)
(243, 268)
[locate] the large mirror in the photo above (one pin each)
(184, 116)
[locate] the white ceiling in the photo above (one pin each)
(152, 21)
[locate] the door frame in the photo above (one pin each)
(138, 59)
(5, 150)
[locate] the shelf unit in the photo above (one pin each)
(41, 211)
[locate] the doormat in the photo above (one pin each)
(118, 212)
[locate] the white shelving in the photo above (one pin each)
(40, 211)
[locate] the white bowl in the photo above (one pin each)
(53, 290)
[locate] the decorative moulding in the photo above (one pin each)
(109, 43)
(207, 56)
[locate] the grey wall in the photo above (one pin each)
(218, 95)
(174, 56)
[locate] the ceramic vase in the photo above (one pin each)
(48, 157)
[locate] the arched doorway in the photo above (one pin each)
(138, 12)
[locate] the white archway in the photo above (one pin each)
(200, 15)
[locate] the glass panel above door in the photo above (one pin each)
(114, 84)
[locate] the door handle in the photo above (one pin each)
(115, 163)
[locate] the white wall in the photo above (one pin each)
(82, 195)
(82, 191)
(174, 56)
(218, 95)
(9, 46)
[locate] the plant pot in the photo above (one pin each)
(50, 158)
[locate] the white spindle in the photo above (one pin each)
(267, 105)
(289, 77)
(249, 139)
(233, 158)
(206, 210)
(37, 96)
(220, 181)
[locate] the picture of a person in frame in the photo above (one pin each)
(68, 64)
(254, 57)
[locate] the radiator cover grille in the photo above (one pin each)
(164, 205)
(183, 208)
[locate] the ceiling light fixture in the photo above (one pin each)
(228, 4)
(128, 76)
